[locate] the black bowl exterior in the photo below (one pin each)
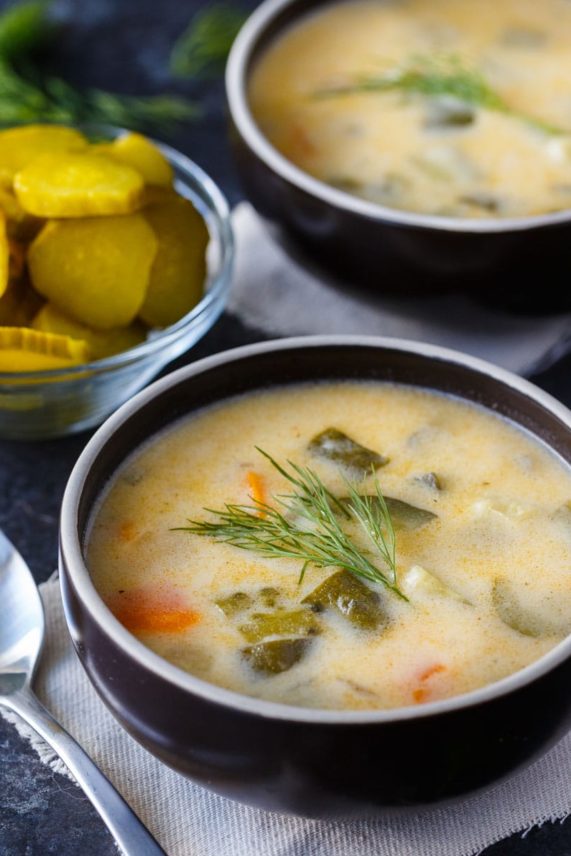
(314, 768)
(379, 252)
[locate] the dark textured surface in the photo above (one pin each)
(123, 45)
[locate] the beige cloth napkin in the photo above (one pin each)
(190, 821)
(274, 294)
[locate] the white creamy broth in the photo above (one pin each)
(484, 567)
(444, 150)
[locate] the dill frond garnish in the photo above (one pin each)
(27, 94)
(439, 76)
(306, 525)
(203, 47)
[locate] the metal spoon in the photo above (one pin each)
(21, 638)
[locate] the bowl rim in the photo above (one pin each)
(237, 73)
(72, 561)
(219, 283)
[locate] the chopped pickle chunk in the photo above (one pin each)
(563, 515)
(23, 350)
(403, 514)
(234, 603)
(419, 582)
(407, 516)
(269, 596)
(299, 622)
(101, 343)
(337, 447)
(70, 184)
(352, 599)
(276, 656)
(19, 146)
(430, 480)
(448, 112)
(177, 277)
(95, 270)
(138, 152)
(519, 617)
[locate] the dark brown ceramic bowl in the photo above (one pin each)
(522, 262)
(304, 761)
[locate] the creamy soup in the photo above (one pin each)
(457, 561)
(455, 108)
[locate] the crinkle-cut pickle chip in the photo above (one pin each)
(66, 184)
(4, 256)
(178, 273)
(24, 350)
(19, 146)
(95, 270)
(102, 343)
(138, 152)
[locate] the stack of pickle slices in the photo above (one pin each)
(96, 247)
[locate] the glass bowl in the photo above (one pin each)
(42, 404)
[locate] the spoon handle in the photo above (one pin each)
(130, 834)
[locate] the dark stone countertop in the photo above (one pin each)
(123, 45)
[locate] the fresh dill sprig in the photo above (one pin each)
(203, 47)
(26, 95)
(440, 76)
(305, 525)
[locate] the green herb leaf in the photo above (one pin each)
(305, 525)
(23, 28)
(203, 47)
(26, 96)
(439, 76)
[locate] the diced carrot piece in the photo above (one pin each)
(142, 611)
(301, 142)
(432, 670)
(127, 531)
(256, 486)
(422, 693)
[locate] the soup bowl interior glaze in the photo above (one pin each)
(362, 243)
(318, 763)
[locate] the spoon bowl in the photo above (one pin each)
(22, 629)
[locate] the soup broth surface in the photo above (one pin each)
(455, 108)
(483, 557)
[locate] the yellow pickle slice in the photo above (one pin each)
(19, 146)
(24, 350)
(67, 184)
(94, 270)
(101, 343)
(178, 273)
(136, 151)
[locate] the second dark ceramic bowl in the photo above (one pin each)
(319, 763)
(521, 262)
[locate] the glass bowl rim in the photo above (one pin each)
(219, 207)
